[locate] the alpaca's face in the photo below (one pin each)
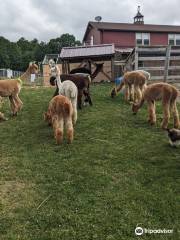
(113, 93)
(135, 108)
(47, 118)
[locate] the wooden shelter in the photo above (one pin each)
(75, 57)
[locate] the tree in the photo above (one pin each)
(18, 55)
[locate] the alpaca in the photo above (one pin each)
(130, 79)
(55, 71)
(168, 95)
(60, 113)
(69, 89)
(81, 81)
(12, 87)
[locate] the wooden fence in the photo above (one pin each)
(163, 62)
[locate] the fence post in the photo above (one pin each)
(136, 59)
(166, 65)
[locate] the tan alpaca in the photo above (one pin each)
(12, 87)
(134, 83)
(60, 113)
(168, 95)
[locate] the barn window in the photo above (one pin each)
(174, 39)
(177, 39)
(143, 39)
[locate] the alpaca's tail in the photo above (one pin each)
(73, 92)
(67, 109)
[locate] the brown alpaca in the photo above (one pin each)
(60, 113)
(12, 87)
(131, 79)
(168, 95)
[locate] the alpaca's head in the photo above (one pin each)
(113, 92)
(33, 68)
(52, 63)
(135, 108)
(47, 118)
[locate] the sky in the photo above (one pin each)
(47, 19)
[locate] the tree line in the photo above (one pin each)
(17, 55)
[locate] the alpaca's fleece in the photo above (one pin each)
(60, 114)
(69, 89)
(168, 95)
(134, 83)
(11, 88)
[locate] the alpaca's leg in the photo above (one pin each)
(131, 95)
(166, 115)
(13, 105)
(74, 116)
(151, 112)
(79, 100)
(126, 94)
(87, 97)
(138, 93)
(58, 129)
(69, 129)
(18, 102)
(175, 115)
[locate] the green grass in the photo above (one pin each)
(119, 172)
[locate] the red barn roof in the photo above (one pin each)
(131, 27)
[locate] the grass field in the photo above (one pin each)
(119, 172)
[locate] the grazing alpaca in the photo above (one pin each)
(60, 113)
(11, 88)
(130, 79)
(160, 91)
(81, 81)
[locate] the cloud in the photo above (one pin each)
(44, 19)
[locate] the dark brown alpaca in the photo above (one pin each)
(168, 95)
(81, 81)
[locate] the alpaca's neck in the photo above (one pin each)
(25, 75)
(97, 70)
(140, 104)
(59, 83)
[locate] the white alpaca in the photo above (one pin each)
(55, 71)
(69, 89)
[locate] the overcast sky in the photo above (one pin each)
(46, 19)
